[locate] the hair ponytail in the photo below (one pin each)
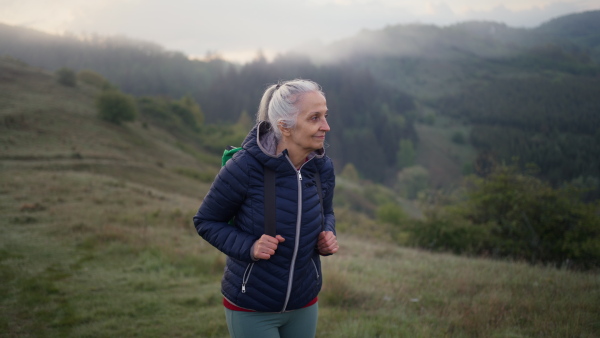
(263, 108)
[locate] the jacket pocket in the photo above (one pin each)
(316, 268)
(246, 276)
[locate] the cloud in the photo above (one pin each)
(54, 16)
(242, 27)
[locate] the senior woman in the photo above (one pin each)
(270, 284)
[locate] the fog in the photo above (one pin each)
(238, 29)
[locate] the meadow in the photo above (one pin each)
(96, 240)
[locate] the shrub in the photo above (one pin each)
(514, 215)
(444, 230)
(66, 77)
(116, 107)
(175, 115)
(406, 153)
(391, 213)
(458, 137)
(411, 181)
(350, 173)
(93, 79)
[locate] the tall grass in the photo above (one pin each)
(103, 258)
(88, 255)
(403, 292)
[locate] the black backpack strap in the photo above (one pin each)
(270, 207)
(320, 192)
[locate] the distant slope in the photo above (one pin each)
(427, 41)
(137, 67)
(581, 28)
(431, 61)
(46, 126)
(529, 94)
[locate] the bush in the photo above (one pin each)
(116, 107)
(350, 173)
(93, 79)
(443, 230)
(391, 213)
(411, 181)
(406, 154)
(514, 215)
(458, 137)
(66, 77)
(174, 115)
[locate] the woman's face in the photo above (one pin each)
(311, 123)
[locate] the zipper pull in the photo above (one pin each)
(299, 175)
(243, 288)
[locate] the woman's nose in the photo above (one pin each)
(325, 125)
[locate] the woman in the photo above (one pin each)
(270, 284)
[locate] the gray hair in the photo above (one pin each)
(278, 104)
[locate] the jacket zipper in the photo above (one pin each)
(297, 239)
(315, 265)
(246, 276)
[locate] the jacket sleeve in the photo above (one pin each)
(222, 202)
(329, 181)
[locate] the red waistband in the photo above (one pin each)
(232, 307)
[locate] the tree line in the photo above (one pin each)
(552, 123)
(368, 120)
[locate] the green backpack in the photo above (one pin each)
(228, 154)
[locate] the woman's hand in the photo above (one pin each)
(327, 243)
(265, 246)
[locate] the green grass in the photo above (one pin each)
(102, 245)
(102, 257)
(404, 292)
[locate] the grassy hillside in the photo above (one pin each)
(96, 239)
(53, 127)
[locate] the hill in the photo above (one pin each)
(137, 67)
(96, 239)
(55, 127)
(528, 94)
(580, 29)
(438, 98)
(430, 61)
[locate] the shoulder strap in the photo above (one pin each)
(270, 207)
(320, 192)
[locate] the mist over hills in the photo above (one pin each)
(476, 38)
(505, 92)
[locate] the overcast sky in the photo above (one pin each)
(237, 29)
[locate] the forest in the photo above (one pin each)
(421, 110)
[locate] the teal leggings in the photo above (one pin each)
(300, 323)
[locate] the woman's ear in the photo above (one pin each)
(284, 130)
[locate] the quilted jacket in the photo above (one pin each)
(291, 278)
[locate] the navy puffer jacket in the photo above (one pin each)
(291, 278)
